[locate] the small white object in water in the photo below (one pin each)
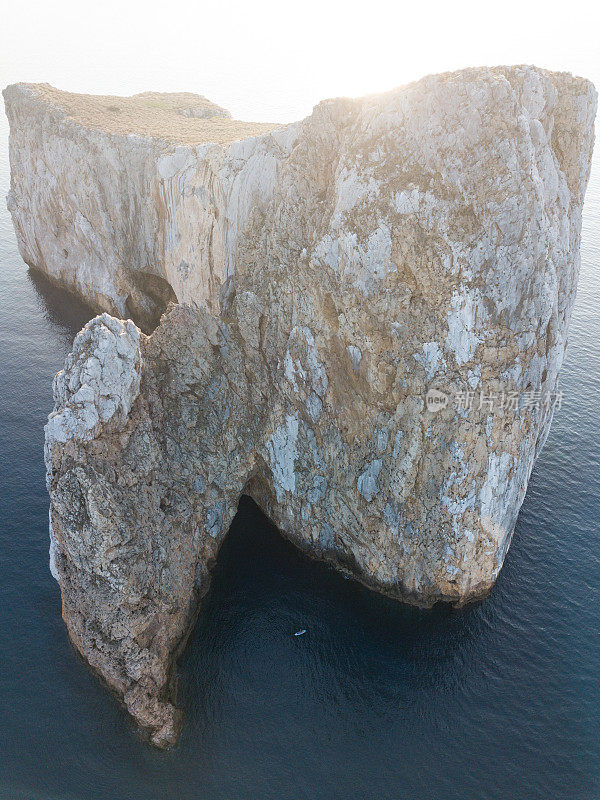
(299, 633)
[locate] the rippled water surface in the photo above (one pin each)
(376, 700)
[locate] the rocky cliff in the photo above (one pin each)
(132, 202)
(373, 311)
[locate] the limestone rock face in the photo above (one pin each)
(119, 198)
(373, 311)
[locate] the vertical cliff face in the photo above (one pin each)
(118, 199)
(374, 307)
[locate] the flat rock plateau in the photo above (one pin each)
(357, 319)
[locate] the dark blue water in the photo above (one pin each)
(376, 700)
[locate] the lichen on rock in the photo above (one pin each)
(329, 277)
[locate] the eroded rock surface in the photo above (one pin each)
(124, 200)
(330, 275)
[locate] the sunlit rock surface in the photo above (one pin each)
(132, 202)
(332, 275)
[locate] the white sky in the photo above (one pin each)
(273, 61)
